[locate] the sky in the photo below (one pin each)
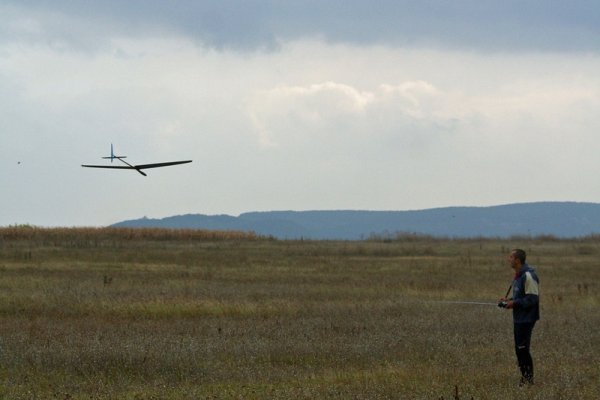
(294, 105)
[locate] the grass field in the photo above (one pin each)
(150, 314)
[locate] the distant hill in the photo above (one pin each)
(560, 219)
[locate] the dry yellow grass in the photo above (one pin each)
(107, 314)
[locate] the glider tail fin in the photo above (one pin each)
(112, 155)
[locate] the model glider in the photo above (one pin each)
(138, 168)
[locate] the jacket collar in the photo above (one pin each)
(524, 268)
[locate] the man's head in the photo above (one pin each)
(517, 258)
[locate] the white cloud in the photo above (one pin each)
(342, 111)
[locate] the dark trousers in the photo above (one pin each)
(522, 342)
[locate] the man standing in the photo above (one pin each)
(526, 311)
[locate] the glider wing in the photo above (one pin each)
(164, 164)
(138, 168)
(108, 166)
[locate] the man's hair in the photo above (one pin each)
(520, 254)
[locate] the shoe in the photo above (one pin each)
(526, 381)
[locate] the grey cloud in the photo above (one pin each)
(502, 25)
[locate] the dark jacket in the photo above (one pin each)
(526, 295)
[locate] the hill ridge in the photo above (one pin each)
(560, 219)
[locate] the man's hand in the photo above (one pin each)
(506, 303)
